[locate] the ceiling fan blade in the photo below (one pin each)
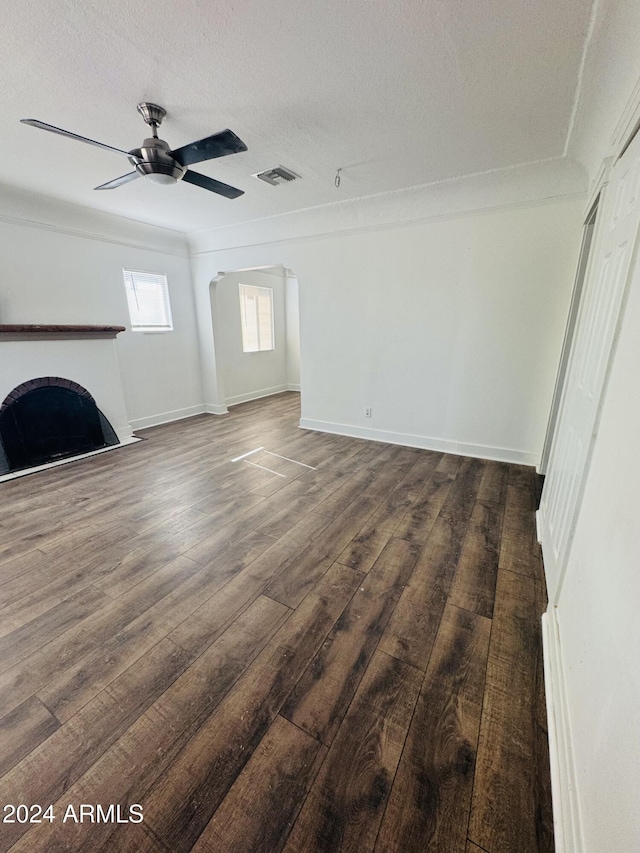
(43, 126)
(118, 182)
(218, 145)
(210, 184)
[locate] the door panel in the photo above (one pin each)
(598, 320)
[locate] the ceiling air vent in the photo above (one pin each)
(277, 175)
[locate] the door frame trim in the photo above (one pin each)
(583, 270)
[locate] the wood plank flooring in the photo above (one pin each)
(339, 655)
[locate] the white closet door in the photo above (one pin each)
(593, 344)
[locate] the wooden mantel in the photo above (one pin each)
(31, 331)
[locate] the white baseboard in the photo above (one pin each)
(539, 526)
(167, 417)
(566, 812)
(499, 454)
(208, 408)
(256, 395)
(293, 386)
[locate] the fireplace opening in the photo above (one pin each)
(48, 419)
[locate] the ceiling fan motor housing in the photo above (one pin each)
(153, 160)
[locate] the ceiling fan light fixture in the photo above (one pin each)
(158, 172)
(165, 180)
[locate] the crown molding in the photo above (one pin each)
(543, 182)
(29, 210)
(411, 223)
(580, 82)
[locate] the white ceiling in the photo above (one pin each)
(398, 93)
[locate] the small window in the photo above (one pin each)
(148, 299)
(256, 315)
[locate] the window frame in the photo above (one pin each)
(242, 290)
(165, 298)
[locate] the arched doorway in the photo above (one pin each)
(254, 296)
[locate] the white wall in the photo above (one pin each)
(597, 612)
(247, 375)
(293, 332)
(53, 273)
(449, 330)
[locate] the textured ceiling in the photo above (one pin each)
(397, 94)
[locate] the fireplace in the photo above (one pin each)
(50, 418)
(62, 395)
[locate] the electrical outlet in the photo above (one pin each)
(367, 413)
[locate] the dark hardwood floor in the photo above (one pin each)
(343, 655)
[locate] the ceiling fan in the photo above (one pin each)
(154, 159)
